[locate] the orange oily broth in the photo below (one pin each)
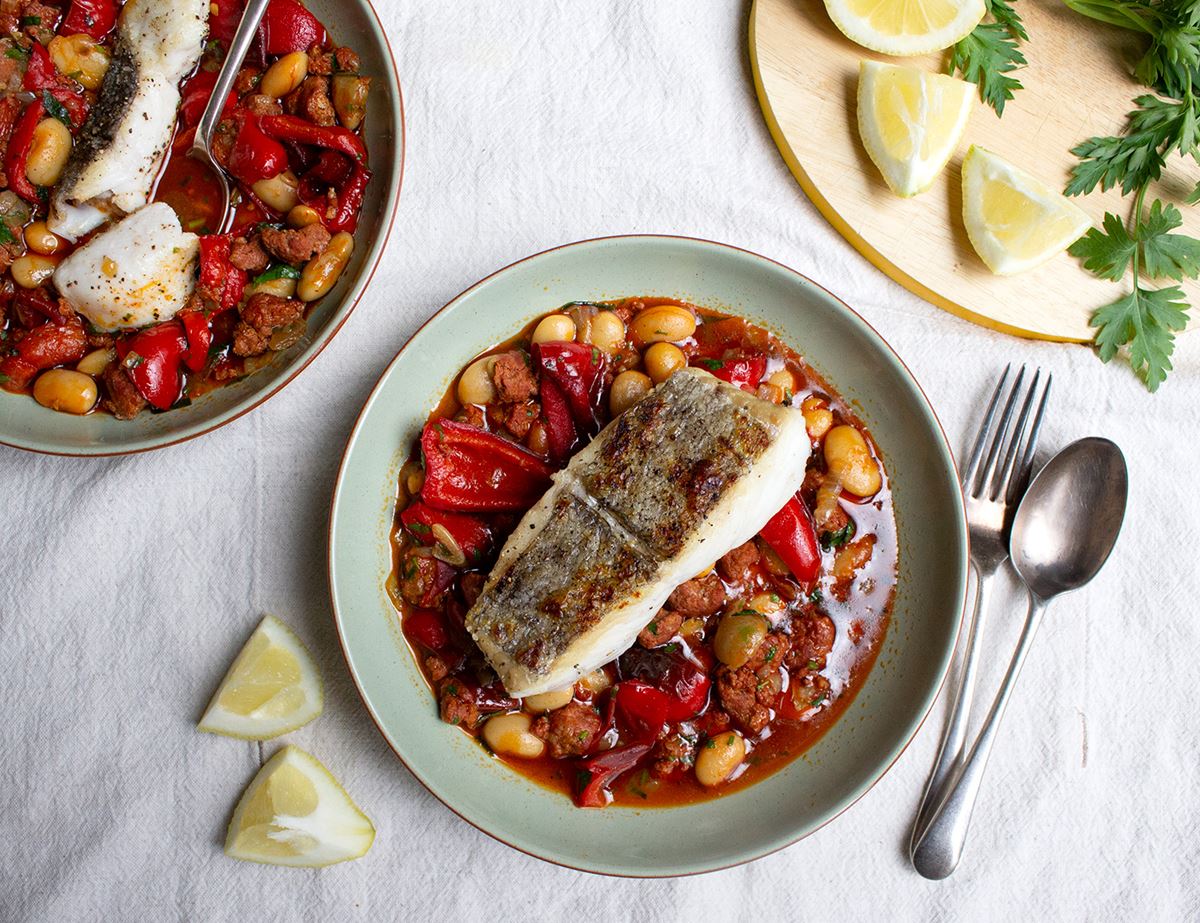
(860, 622)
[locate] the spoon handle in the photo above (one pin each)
(952, 749)
(234, 57)
(937, 852)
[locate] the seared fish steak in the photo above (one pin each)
(694, 469)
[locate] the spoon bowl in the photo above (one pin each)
(1069, 520)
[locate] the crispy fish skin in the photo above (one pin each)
(127, 135)
(694, 469)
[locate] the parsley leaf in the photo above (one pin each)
(1146, 320)
(989, 54)
(1106, 253)
(1165, 255)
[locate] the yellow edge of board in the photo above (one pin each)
(877, 259)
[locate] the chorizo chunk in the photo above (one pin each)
(248, 255)
(812, 640)
(123, 400)
(661, 629)
(570, 730)
(296, 246)
(735, 566)
(514, 381)
(519, 418)
(457, 703)
(699, 597)
(262, 315)
(261, 104)
(748, 692)
(347, 60)
(672, 754)
(472, 585)
(311, 101)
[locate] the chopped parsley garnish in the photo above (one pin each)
(30, 21)
(838, 538)
(6, 235)
(55, 108)
(712, 365)
(278, 271)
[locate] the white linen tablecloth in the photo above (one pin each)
(127, 584)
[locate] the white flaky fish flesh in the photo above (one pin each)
(128, 132)
(139, 271)
(691, 471)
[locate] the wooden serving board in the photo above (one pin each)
(1077, 84)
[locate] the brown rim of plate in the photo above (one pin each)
(370, 274)
(337, 621)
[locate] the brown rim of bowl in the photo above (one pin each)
(263, 398)
(337, 620)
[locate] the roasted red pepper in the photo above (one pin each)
(42, 348)
(90, 17)
(287, 26)
(223, 19)
(42, 77)
(471, 534)
(349, 202)
(255, 155)
(792, 535)
(596, 775)
(714, 338)
(427, 627)
(682, 684)
(743, 371)
(199, 339)
(561, 434)
(195, 95)
(219, 278)
(470, 470)
(152, 357)
(643, 706)
(578, 370)
(335, 138)
(16, 156)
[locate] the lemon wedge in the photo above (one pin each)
(911, 122)
(1014, 220)
(294, 812)
(905, 27)
(271, 688)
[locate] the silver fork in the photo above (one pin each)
(995, 477)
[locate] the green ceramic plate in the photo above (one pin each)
(27, 425)
(899, 690)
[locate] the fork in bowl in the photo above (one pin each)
(993, 481)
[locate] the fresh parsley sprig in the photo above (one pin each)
(989, 54)
(1146, 319)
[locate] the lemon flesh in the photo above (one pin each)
(1014, 220)
(905, 27)
(911, 122)
(295, 813)
(271, 688)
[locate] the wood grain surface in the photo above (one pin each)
(1077, 84)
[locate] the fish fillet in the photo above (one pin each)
(694, 469)
(136, 272)
(128, 133)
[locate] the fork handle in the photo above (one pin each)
(950, 753)
(937, 853)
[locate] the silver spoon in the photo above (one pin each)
(202, 147)
(1062, 534)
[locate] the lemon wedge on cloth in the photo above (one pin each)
(1014, 220)
(911, 121)
(296, 813)
(905, 27)
(271, 688)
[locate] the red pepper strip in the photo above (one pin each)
(743, 371)
(470, 533)
(643, 706)
(713, 338)
(34, 306)
(427, 627)
(219, 278)
(287, 26)
(686, 687)
(196, 93)
(199, 339)
(470, 470)
(336, 138)
(223, 19)
(792, 535)
(17, 154)
(443, 579)
(42, 348)
(597, 774)
(560, 425)
(90, 17)
(350, 200)
(255, 155)
(152, 358)
(578, 369)
(42, 76)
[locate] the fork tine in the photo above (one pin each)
(1000, 486)
(1021, 476)
(972, 467)
(987, 476)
